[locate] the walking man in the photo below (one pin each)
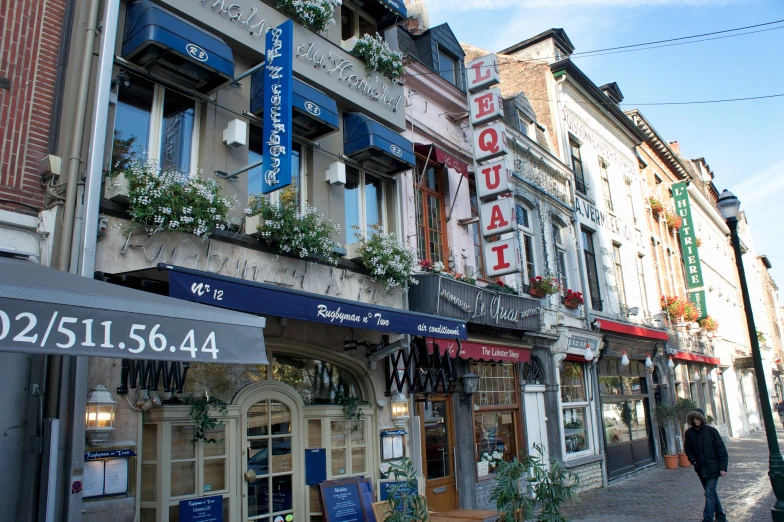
(780, 409)
(708, 455)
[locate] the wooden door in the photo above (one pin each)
(438, 453)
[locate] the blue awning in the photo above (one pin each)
(376, 146)
(175, 49)
(396, 6)
(315, 113)
(269, 300)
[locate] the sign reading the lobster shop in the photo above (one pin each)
(277, 153)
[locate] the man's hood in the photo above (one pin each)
(696, 414)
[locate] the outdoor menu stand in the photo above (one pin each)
(347, 500)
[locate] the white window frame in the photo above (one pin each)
(560, 253)
(350, 237)
(156, 129)
(589, 417)
(525, 125)
(358, 13)
(620, 284)
(606, 188)
(524, 232)
(274, 197)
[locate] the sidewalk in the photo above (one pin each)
(662, 495)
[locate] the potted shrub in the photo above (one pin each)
(315, 14)
(709, 324)
(573, 299)
(542, 286)
(673, 220)
(682, 408)
(656, 206)
(673, 306)
(377, 56)
(386, 258)
(499, 286)
(404, 503)
(690, 313)
(664, 415)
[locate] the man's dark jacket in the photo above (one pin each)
(705, 448)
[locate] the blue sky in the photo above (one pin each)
(741, 141)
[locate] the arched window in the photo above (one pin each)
(533, 372)
(525, 232)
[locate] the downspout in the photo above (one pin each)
(62, 68)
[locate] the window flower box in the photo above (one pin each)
(543, 286)
(317, 15)
(573, 299)
(377, 56)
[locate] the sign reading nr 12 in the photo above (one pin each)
(497, 217)
(503, 257)
(483, 73)
(493, 179)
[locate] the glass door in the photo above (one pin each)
(438, 454)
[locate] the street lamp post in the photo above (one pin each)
(729, 206)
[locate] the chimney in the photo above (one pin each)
(675, 146)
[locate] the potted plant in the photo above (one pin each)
(682, 408)
(664, 415)
(656, 206)
(386, 258)
(404, 504)
(673, 306)
(690, 313)
(377, 56)
(699, 242)
(315, 14)
(573, 299)
(428, 266)
(526, 482)
(709, 324)
(673, 220)
(542, 286)
(465, 279)
(501, 287)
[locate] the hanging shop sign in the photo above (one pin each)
(278, 80)
(486, 106)
(497, 217)
(478, 351)
(691, 256)
(490, 142)
(697, 298)
(476, 305)
(483, 73)
(493, 179)
(503, 257)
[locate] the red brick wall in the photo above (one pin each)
(30, 33)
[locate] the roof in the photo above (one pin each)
(765, 261)
(658, 143)
(559, 35)
(569, 67)
(612, 91)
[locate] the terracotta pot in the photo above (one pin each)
(683, 460)
(671, 461)
(572, 304)
(536, 292)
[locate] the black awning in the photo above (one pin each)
(47, 311)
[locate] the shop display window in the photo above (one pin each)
(575, 408)
(496, 417)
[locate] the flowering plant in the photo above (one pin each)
(573, 298)
(546, 285)
(428, 266)
(377, 55)
(499, 286)
(709, 324)
(673, 220)
(699, 242)
(493, 459)
(306, 233)
(386, 258)
(168, 200)
(316, 14)
(656, 206)
(674, 306)
(464, 278)
(690, 313)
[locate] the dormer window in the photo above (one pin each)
(523, 124)
(449, 68)
(354, 22)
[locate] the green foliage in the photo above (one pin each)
(164, 200)
(761, 337)
(377, 55)
(386, 258)
(664, 414)
(200, 415)
(352, 409)
(656, 206)
(306, 234)
(404, 503)
(548, 488)
(316, 14)
(501, 287)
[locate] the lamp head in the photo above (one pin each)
(729, 205)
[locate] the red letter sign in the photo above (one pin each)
(490, 141)
(486, 106)
(497, 217)
(503, 257)
(493, 179)
(483, 73)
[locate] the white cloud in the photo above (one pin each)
(473, 5)
(764, 187)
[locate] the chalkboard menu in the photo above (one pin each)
(204, 509)
(347, 500)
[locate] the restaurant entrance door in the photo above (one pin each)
(438, 453)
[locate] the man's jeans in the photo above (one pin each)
(712, 503)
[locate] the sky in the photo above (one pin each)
(741, 141)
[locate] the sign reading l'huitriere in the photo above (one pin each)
(691, 256)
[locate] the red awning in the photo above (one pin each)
(440, 156)
(576, 358)
(631, 329)
(482, 351)
(688, 356)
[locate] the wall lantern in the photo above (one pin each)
(400, 412)
(99, 417)
(648, 361)
(709, 377)
(625, 359)
(696, 375)
(670, 364)
(588, 353)
(470, 384)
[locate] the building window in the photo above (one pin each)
(605, 185)
(364, 204)
(620, 288)
(495, 414)
(476, 233)
(575, 407)
(354, 22)
(431, 220)
(525, 232)
(577, 166)
(523, 124)
(560, 257)
(657, 267)
(624, 401)
(591, 270)
(628, 182)
(643, 285)
(156, 124)
(293, 192)
(449, 68)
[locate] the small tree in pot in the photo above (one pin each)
(664, 415)
(682, 408)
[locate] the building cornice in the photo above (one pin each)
(658, 144)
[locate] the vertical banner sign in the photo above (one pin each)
(277, 108)
(496, 215)
(691, 257)
(697, 298)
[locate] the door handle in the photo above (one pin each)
(250, 476)
(454, 470)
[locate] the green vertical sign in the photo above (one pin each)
(698, 300)
(691, 257)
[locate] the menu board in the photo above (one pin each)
(347, 500)
(203, 509)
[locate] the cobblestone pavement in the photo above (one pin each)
(662, 495)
